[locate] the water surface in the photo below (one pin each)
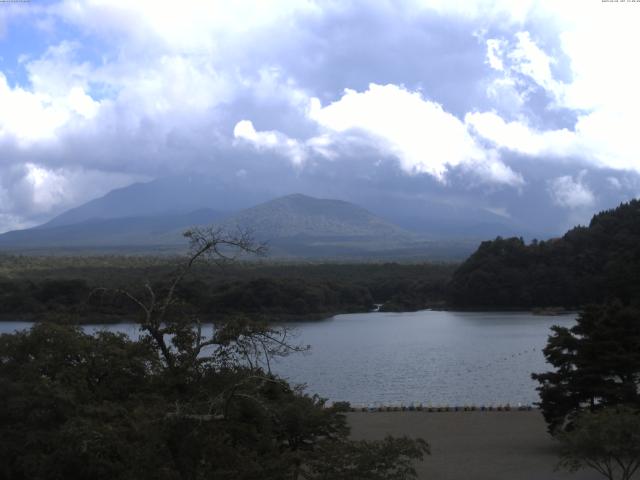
(435, 357)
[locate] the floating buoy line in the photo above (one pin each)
(506, 407)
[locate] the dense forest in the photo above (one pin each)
(587, 265)
(57, 287)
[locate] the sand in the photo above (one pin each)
(473, 445)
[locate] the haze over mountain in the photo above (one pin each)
(168, 196)
(153, 214)
(120, 232)
(293, 226)
(435, 216)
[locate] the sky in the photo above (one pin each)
(525, 108)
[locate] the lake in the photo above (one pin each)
(429, 357)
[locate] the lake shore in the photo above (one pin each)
(473, 445)
(97, 318)
(109, 319)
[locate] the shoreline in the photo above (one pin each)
(108, 319)
(429, 408)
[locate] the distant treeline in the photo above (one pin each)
(33, 289)
(587, 265)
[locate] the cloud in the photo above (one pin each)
(270, 140)
(37, 192)
(579, 73)
(519, 137)
(495, 52)
(530, 60)
(413, 98)
(420, 133)
(571, 193)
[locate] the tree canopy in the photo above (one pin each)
(179, 403)
(607, 441)
(596, 364)
(587, 265)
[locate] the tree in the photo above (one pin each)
(597, 364)
(588, 264)
(607, 441)
(177, 403)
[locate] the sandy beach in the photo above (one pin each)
(473, 445)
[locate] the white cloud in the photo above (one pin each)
(57, 98)
(518, 137)
(188, 26)
(270, 140)
(57, 71)
(495, 51)
(601, 84)
(30, 192)
(492, 170)
(601, 138)
(570, 193)
(26, 116)
(610, 137)
(530, 60)
(506, 11)
(521, 63)
(49, 187)
(395, 121)
(420, 133)
(600, 43)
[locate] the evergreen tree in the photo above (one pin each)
(597, 364)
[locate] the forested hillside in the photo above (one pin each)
(587, 265)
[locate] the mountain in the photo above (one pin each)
(146, 231)
(302, 226)
(164, 196)
(301, 215)
(431, 217)
(293, 226)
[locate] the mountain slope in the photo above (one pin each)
(294, 226)
(300, 215)
(588, 264)
(164, 196)
(112, 232)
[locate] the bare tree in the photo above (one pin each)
(178, 334)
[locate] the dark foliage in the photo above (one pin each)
(607, 441)
(587, 265)
(268, 291)
(179, 403)
(597, 364)
(103, 407)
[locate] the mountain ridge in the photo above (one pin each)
(294, 226)
(302, 215)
